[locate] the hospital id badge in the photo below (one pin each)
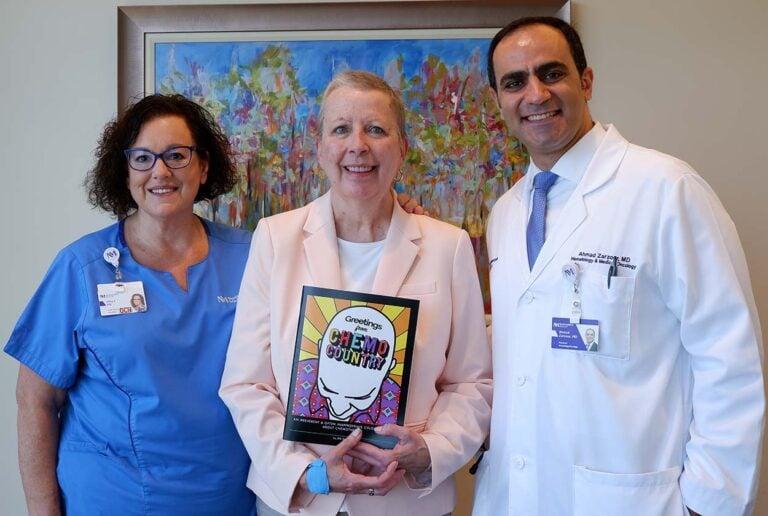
(581, 336)
(121, 298)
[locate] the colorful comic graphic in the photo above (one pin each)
(351, 365)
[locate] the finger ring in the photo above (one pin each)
(371, 492)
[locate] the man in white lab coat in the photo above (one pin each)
(633, 245)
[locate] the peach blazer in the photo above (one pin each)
(449, 397)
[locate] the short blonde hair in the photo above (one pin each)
(366, 81)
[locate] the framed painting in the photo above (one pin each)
(261, 70)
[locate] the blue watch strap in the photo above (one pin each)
(317, 477)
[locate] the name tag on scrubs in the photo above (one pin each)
(121, 298)
(581, 336)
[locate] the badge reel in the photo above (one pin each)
(573, 332)
(112, 257)
(120, 297)
(572, 274)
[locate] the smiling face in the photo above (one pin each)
(542, 96)
(162, 192)
(360, 147)
(349, 386)
(137, 301)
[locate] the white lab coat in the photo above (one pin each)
(669, 411)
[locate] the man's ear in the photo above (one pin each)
(587, 79)
(495, 96)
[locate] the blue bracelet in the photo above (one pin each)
(317, 477)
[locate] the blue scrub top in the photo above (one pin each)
(143, 430)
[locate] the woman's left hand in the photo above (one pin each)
(411, 452)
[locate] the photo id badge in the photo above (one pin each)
(581, 336)
(121, 298)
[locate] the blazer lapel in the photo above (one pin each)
(398, 254)
(321, 249)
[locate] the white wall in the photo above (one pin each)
(686, 76)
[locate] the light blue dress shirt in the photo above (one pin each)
(570, 169)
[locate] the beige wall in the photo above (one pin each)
(685, 76)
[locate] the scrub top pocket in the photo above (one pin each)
(611, 307)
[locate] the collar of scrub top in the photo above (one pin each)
(121, 230)
(572, 165)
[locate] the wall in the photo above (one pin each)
(687, 77)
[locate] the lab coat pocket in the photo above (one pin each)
(611, 307)
(655, 493)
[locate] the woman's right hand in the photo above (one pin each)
(343, 480)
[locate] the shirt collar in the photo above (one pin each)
(572, 165)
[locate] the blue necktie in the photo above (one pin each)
(535, 234)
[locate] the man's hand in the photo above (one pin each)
(410, 205)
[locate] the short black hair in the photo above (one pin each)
(570, 34)
(107, 183)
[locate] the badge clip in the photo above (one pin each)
(572, 274)
(112, 257)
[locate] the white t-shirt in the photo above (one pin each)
(358, 262)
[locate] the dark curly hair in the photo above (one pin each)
(107, 182)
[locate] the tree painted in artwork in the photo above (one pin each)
(458, 163)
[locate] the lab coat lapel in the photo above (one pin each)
(569, 220)
(519, 240)
(398, 254)
(600, 170)
(321, 249)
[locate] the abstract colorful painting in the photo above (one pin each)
(265, 91)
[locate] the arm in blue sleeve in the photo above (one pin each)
(45, 337)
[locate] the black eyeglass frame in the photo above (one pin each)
(156, 155)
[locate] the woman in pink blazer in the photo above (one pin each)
(356, 237)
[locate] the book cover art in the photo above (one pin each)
(351, 365)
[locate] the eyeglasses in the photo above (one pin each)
(142, 159)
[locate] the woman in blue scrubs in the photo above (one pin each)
(118, 406)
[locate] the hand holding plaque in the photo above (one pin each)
(342, 479)
(351, 366)
(410, 452)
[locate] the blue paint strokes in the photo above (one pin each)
(315, 62)
(265, 95)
